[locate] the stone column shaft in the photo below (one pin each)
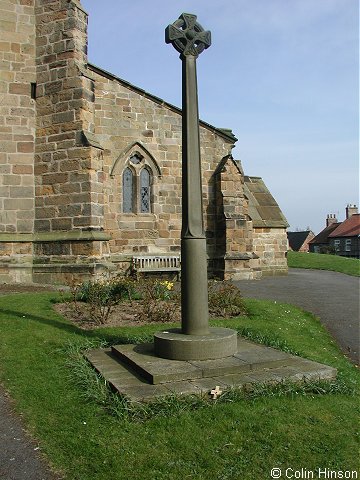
(194, 288)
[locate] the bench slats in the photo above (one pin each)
(152, 263)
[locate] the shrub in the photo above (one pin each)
(225, 299)
(106, 289)
(159, 301)
(103, 295)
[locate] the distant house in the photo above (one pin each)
(320, 243)
(345, 238)
(299, 241)
(341, 238)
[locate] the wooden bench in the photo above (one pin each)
(156, 263)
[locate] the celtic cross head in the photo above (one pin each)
(187, 36)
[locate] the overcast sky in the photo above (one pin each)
(282, 74)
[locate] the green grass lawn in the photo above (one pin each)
(226, 440)
(317, 261)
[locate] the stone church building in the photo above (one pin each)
(91, 165)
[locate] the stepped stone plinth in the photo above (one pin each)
(137, 373)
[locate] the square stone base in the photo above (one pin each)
(135, 372)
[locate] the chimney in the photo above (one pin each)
(351, 210)
(330, 219)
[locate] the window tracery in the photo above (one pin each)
(137, 185)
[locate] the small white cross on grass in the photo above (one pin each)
(215, 392)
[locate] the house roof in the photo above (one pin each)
(322, 237)
(349, 228)
(297, 239)
(223, 132)
(263, 209)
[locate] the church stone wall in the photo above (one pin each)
(17, 134)
(235, 258)
(127, 121)
(69, 198)
(51, 200)
(67, 131)
(271, 245)
(63, 105)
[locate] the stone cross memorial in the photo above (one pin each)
(195, 358)
(195, 340)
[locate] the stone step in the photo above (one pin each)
(135, 372)
(159, 370)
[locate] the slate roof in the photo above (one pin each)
(322, 237)
(263, 209)
(348, 228)
(297, 239)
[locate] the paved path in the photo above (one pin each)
(19, 454)
(332, 296)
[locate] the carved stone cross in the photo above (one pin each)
(195, 340)
(187, 36)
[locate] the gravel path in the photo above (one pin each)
(332, 296)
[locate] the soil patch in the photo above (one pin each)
(124, 314)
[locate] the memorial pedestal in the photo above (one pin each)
(175, 345)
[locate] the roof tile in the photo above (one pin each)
(349, 228)
(322, 237)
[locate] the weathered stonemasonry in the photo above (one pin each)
(68, 170)
(130, 123)
(91, 165)
(269, 228)
(234, 258)
(17, 135)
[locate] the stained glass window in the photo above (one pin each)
(135, 159)
(128, 185)
(144, 191)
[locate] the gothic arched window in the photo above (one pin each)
(145, 191)
(128, 191)
(136, 184)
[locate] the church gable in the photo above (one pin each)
(129, 121)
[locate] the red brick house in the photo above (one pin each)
(345, 239)
(341, 238)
